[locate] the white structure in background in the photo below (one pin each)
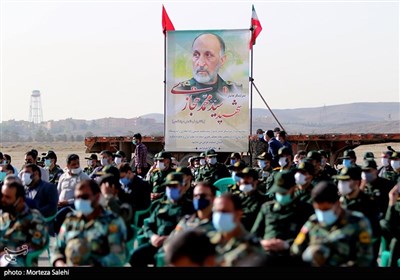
(35, 109)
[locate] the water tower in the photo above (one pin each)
(35, 110)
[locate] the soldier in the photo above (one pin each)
(235, 169)
(158, 173)
(20, 226)
(349, 158)
(299, 157)
(235, 157)
(394, 175)
(264, 171)
(106, 158)
(386, 167)
(279, 221)
(213, 170)
(325, 166)
(235, 246)
(333, 236)
(120, 157)
(188, 181)
(304, 176)
(391, 226)
(92, 164)
(320, 175)
(163, 219)
(251, 198)
(92, 236)
(50, 163)
(208, 56)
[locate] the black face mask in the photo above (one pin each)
(10, 208)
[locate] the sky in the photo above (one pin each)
(97, 59)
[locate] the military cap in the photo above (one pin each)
(264, 156)
(348, 154)
(369, 164)
(277, 129)
(284, 151)
(119, 154)
(347, 173)
(239, 165)
(395, 155)
(107, 152)
(211, 153)
(314, 155)
(260, 131)
(368, 155)
(50, 154)
(202, 155)
(323, 153)
(283, 181)
(174, 178)
(163, 155)
(306, 166)
(109, 169)
(235, 155)
(92, 156)
(248, 171)
(185, 170)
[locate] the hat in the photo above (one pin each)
(239, 165)
(92, 156)
(248, 171)
(265, 156)
(348, 173)
(277, 129)
(284, 151)
(283, 181)
(368, 155)
(306, 166)
(50, 154)
(395, 155)
(109, 169)
(163, 155)
(120, 154)
(348, 154)
(323, 153)
(185, 170)
(369, 164)
(211, 153)
(387, 154)
(314, 155)
(259, 131)
(202, 155)
(174, 178)
(235, 155)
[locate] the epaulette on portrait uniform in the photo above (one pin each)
(189, 87)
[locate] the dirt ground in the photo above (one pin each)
(62, 149)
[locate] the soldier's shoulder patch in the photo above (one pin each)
(364, 237)
(300, 238)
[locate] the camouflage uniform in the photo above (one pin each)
(212, 173)
(251, 205)
(54, 174)
(27, 228)
(157, 178)
(241, 250)
(98, 242)
(346, 243)
(391, 232)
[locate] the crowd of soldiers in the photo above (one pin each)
(289, 209)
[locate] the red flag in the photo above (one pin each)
(166, 22)
(255, 27)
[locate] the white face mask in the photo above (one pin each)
(212, 160)
(104, 161)
(300, 178)
(89, 162)
(246, 188)
(344, 187)
(202, 162)
(160, 165)
(76, 171)
(282, 161)
(26, 179)
(385, 161)
(117, 160)
(395, 164)
(262, 164)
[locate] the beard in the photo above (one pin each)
(205, 79)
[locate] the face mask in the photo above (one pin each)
(173, 193)
(347, 163)
(212, 160)
(385, 161)
(323, 162)
(282, 161)
(327, 217)
(160, 165)
(2, 176)
(124, 181)
(89, 162)
(235, 177)
(232, 161)
(367, 176)
(76, 171)
(200, 203)
(283, 199)
(47, 162)
(26, 179)
(202, 162)
(223, 222)
(117, 160)
(344, 187)
(246, 188)
(103, 201)
(260, 136)
(134, 142)
(395, 164)
(265, 174)
(300, 178)
(84, 206)
(10, 208)
(262, 164)
(104, 161)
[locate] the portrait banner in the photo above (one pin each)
(207, 90)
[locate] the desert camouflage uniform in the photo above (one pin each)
(98, 242)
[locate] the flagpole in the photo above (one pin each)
(251, 99)
(165, 82)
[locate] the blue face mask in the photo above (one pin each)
(223, 222)
(134, 142)
(232, 161)
(200, 203)
(124, 181)
(235, 177)
(84, 206)
(260, 136)
(327, 217)
(173, 193)
(283, 199)
(262, 164)
(47, 162)
(346, 162)
(2, 176)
